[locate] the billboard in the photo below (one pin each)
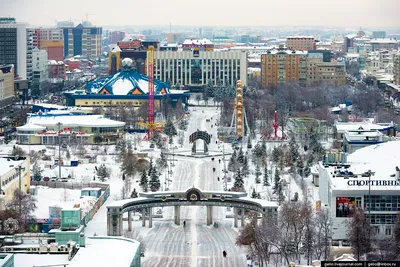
(345, 206)
(196, 52)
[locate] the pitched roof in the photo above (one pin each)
(126, 82)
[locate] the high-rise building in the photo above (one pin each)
(40, 72)
(51, 40)
(16, 47)
(396, 68)
(6, 85)
(283, 66)
(115, 36)
(300, 43)
(192, 69)
(85, 41)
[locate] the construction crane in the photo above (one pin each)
(87, 16)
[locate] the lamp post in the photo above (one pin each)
(19, 169)
(59, 150)
(223, 159)
(369, 198)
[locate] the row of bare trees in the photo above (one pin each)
(315, 100)
(296, 231)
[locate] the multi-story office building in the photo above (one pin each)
(378, 34)
(85, 41)
(396, 68)
(300, 43)
(380, 44)
(40, 72)
(50, 40)
(6, 85)
(331, 72)
(16, 47)
(282, 66)
(115, 36)
(197, 69)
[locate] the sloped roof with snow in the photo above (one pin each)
(125, 82)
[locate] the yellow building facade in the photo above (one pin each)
(9, 178)
(6, 85)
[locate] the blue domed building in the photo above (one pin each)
(127, 88)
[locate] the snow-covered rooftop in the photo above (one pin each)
(75, 120)
(105, 251)
(7, 165)
(351, 126)
(30, 127)
(203, 41)
(385, 40)
(300, 36)
(382, 159)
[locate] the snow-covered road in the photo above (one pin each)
(196, 244)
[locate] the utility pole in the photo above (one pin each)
(223, 159)
(59, 150)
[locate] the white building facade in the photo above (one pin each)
(345, 187)
(191, 69)
(40, 70)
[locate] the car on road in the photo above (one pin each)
(46, 179)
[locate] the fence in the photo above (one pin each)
(70, 185)
(103, 198)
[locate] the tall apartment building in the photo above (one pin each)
(300, 43)
(396, 68)
(51, 40)
(85, 41)
(16, 47)
(40, 72)
(115, 36)
(282, 66)
(190, 69)
(6, 85)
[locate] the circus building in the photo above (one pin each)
(125, 88)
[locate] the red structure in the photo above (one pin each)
(275, 125)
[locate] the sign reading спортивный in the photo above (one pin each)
(373, 183)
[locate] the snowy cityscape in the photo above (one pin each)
(145, 138)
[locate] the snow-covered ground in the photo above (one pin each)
(168, 244)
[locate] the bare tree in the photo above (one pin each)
(65, 196)
(24, 204)
(323, 235)
(360, 233)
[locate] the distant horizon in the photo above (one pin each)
(368, 14)
(166, 26)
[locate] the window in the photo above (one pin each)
(388, 231)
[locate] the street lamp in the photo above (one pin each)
(59, 150)
(19, 169)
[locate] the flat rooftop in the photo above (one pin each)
(105, 251)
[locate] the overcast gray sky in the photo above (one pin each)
(340, 13)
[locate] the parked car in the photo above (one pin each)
(46, 179)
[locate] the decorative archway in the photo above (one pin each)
(200, 135)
